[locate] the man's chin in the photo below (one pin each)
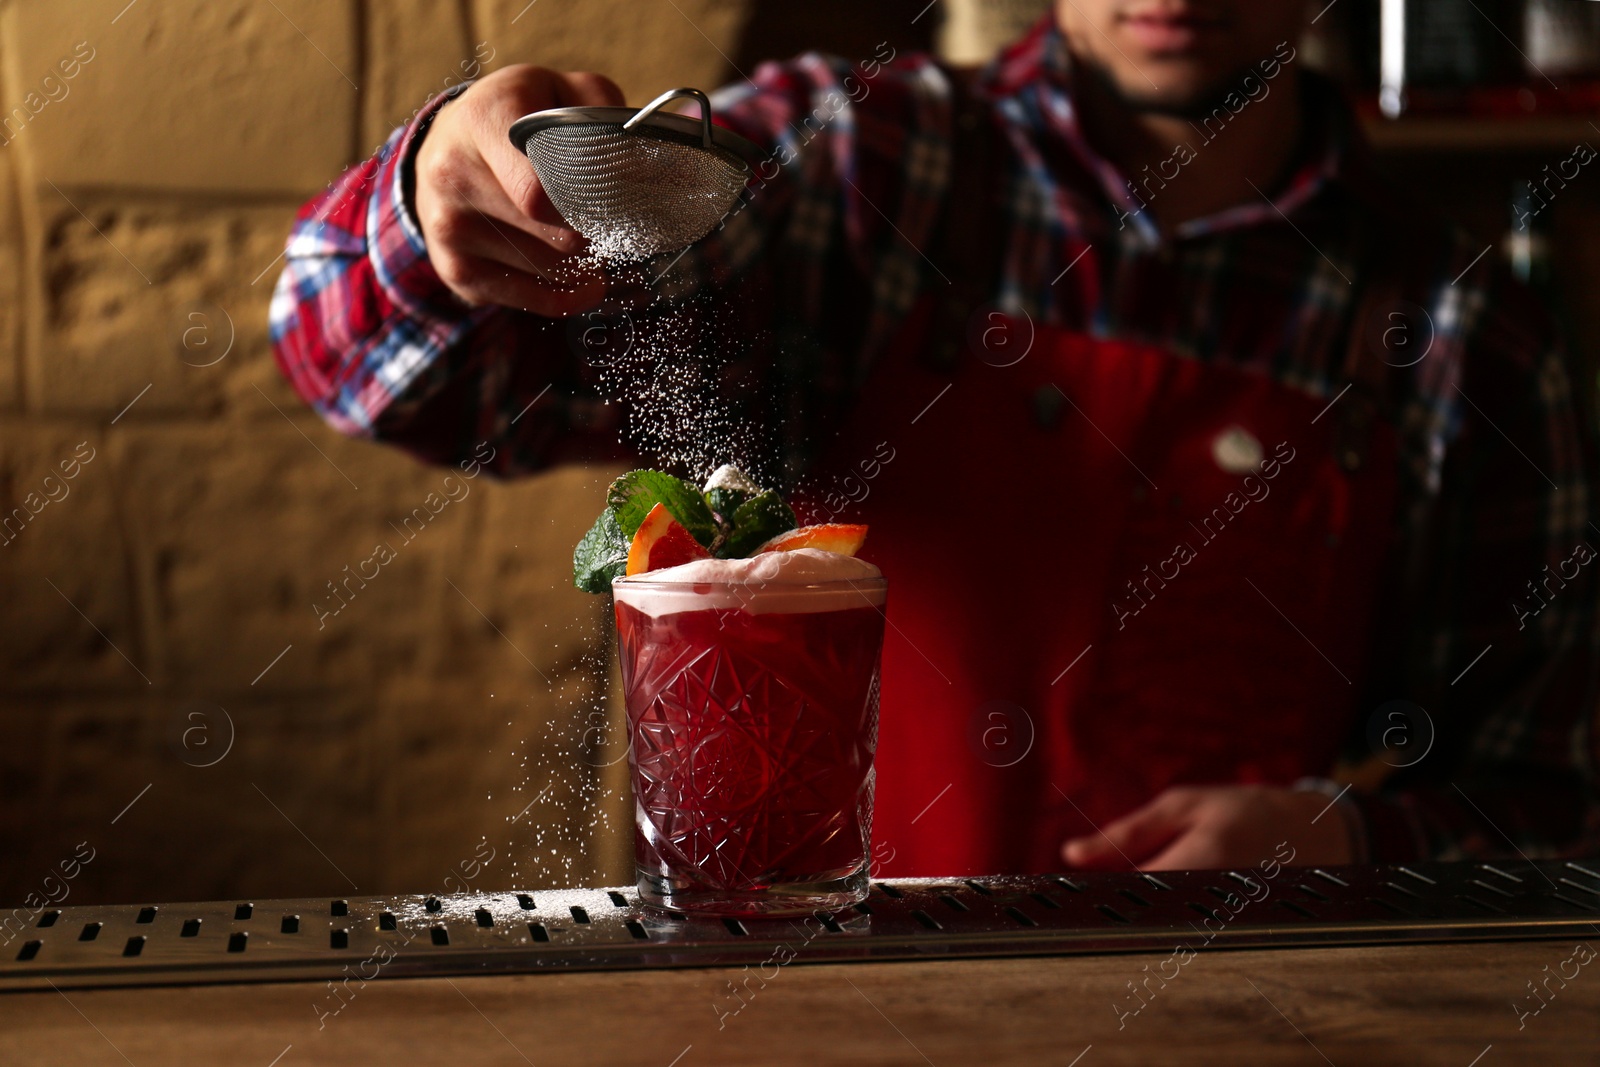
(1191, 107)
(1175, 94)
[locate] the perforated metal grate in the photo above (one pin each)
(921, 918)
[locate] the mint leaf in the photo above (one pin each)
(601, 556)
(633, 495)
(725, 501)
(756, 521)
(727, 488)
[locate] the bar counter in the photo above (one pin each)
(1451, 964)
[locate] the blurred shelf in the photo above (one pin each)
(1453, 133)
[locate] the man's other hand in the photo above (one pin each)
(1201, 827)
(492, 233)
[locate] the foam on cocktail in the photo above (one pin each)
(802, 580)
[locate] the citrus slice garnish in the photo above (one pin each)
(842, 537)
(662, 541)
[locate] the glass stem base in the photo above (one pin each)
(775, 901)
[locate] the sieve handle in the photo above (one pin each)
(667, 97)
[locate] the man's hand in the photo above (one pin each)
(1200, 827)
(492, 233)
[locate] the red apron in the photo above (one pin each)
(1090, 596)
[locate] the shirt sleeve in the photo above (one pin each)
(1501, 650)
(358, 311)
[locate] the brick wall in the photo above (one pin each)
(169, 695)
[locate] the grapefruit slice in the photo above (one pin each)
(662, 542)
(841, 537)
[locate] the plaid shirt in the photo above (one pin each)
(832, 238)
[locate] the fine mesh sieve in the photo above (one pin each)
(636, 183)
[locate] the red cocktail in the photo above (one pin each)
(753, 716)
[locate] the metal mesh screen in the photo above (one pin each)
(632, 194)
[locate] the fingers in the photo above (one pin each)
(460, 164)
(1194, 850)
(490, 230)
(526, 90)
(479, 280)
(1133, 838)
(584, 89)
(465, 226)
(487, 261)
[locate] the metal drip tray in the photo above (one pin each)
(279, 940)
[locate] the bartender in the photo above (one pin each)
(1216, 464)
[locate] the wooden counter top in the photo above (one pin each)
(1439, 1004)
